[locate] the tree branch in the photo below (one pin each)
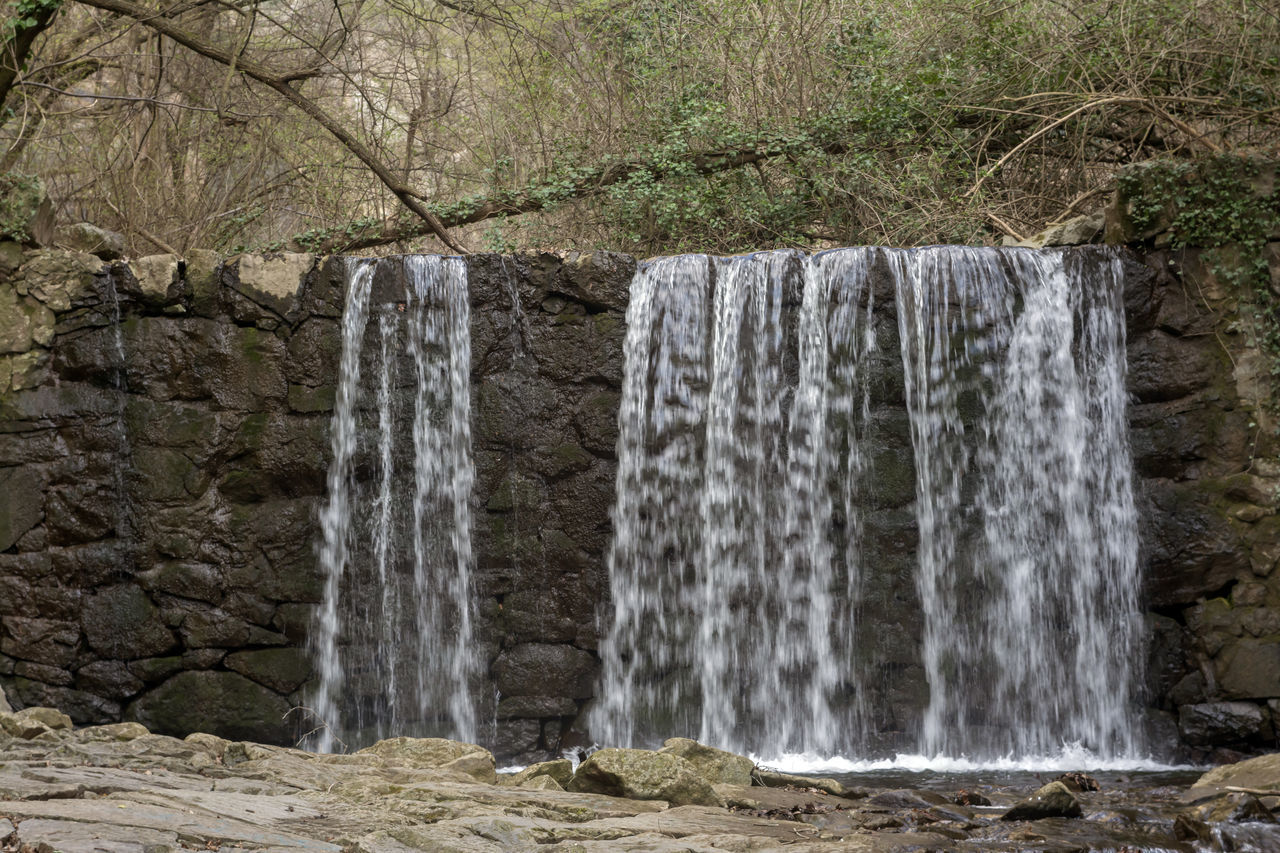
(157, 21)
(540, 196)
(17, 46)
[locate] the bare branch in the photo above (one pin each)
(158, 22)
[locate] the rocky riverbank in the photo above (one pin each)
(118, 788)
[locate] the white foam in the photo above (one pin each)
(1070, 757)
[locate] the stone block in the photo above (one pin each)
(273, 281)
(1250, 669)
(542, 669)
(1215, 723)
(21, 503)
(225, 704)
(109, 678)
(46, 641)
(283, 670)
(24, 322)
(122, 623)
(159, 278)
(63, 280)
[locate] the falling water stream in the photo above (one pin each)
(738, 561)
(393, 636)
(741, 557)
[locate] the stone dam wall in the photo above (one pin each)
(164, 444)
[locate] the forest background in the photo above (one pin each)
(646, 126)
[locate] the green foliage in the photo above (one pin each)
(1228, 207)
(20, 197)
(25, 14)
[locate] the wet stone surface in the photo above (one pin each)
(121, 788)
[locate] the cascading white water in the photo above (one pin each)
(737, 563)
(392, 642)
(730, 589)
(1028, 556)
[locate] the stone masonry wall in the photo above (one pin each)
(160, 478)
(160, 475)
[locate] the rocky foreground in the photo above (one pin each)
(120, 788)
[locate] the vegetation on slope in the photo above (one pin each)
(650, 126)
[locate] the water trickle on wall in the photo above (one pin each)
(393, 639)
(738, 561)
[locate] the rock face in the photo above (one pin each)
(639, 774)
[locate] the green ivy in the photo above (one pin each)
(1218, 206)
(20, 197)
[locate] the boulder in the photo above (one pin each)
(542, 783)
(1261, 773)
(50, 717)
(1219, 722)
(433, 753)
(560, 770)
(715, 765)
(89, 238)
(639, 774)
(1053, 800)
(223, 703)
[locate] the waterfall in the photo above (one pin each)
(738, 563)
(732, 596)
(392, 641)
(1028, 557)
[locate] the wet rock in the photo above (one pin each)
(283, 670)
(121, 622)
(970, 798)
(643, 775)
(774, 779)
(1077, 781)
(222, 703)
(1219, 722)
(540, 669)
(1234, 807)
(1053, 800)
(715, 765)
(560, 770)
(21, 503)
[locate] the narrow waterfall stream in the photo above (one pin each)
(393, 636)
(739, 564)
